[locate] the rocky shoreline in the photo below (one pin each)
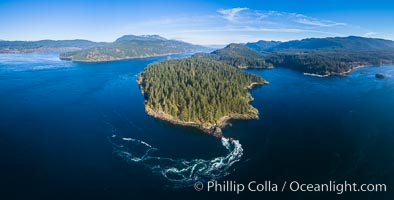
(213, 129)
(345, 73)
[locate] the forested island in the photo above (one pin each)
(312, 56)
(208, 89)
(237, 55)
(125, 47)
(198, 92)
(130, 47)
(327, 56)
(46, 46)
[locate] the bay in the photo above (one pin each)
(62, 123)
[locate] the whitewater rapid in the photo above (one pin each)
(179, 172)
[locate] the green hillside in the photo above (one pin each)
(195, 91)
(329, 56)
(129, 47)
(237, 55)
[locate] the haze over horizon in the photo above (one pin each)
(198, 22)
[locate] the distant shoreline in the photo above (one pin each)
(119, 59)
(40, 50)
(337, 74)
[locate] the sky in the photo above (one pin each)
(199, 22)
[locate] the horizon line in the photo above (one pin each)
(214, 44)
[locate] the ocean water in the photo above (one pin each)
(79, 131)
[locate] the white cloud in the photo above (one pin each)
(369, 34)
(257, 29)
(230, 14)
(300, 19)
(232, 25)
(315, 22)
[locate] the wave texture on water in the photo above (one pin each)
(179, 172)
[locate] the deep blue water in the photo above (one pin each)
(71, 130)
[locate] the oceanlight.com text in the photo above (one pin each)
(288, 186)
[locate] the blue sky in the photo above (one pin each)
(199, 22)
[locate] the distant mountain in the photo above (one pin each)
(139, 37)
(46, 45)
(327, 56)
(262, 45)
(216, 46)
(131, 46)
(351, 43)
(237, 55)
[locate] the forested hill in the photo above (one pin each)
(262, 45)
(197, 92)
(237, 55)
(130, 46)
(321, 56)
(351, 43)
(46, 46)
(327, 56)
(139, 37)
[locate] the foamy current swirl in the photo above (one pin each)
(179, 172)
